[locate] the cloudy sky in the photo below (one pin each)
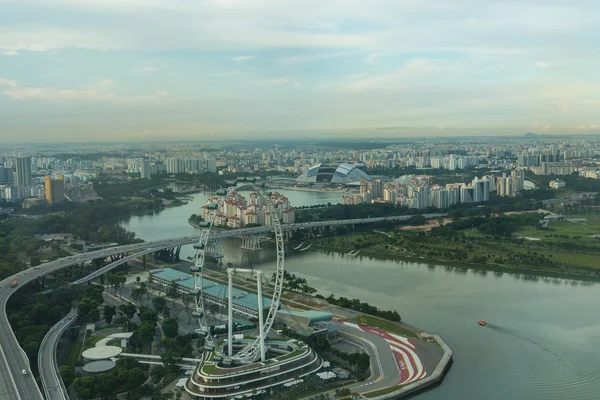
(200, 69)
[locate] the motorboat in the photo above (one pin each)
(482, 322)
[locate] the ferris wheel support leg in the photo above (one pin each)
(261, 332)
(230, 314)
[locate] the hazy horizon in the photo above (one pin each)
(155, 70)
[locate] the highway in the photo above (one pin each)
(54, 388)
(14, 386)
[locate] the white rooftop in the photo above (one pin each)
(101, 353)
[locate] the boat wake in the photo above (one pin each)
(517, 335)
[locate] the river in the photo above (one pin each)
(543, 333)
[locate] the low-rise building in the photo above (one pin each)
(557, 184)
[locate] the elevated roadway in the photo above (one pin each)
(14, 386)
(54, 387)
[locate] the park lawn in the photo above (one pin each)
(580, 233)
(73, 353)
(384, 324)
(575, 259)
(473, 233)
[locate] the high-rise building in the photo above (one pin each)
(145, 170)
(6, 176)
(364, 187)
(518, 180)
(211, 165)
(481, 189)
(376, 189)
(55, 189)
(23, 175)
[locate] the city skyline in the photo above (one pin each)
(152, 70)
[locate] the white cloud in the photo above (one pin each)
(99, 91)
(44, 38)
(543, 64)
(272, 81)
(373, 57)
(413, 68)
(243, 58)
(308, 58)
(8, 82)
(233, 72)
(147, 69)
(10, 53)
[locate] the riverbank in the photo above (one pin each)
(593, 275)
(564, 249)
(429, 350)
(458, 265)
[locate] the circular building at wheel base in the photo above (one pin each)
(333, 173)
(217, 379)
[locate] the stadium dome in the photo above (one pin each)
(335, 172)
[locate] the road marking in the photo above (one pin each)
(374, 347)
(9, 373)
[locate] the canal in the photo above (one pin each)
(543, 333)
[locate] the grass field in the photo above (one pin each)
(566, 247)
(73, 353)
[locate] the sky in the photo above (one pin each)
(126, 70)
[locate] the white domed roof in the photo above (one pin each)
(334, 172)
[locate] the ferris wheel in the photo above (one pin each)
(254, 349)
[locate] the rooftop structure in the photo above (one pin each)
(101, 353)
(98, 367)
(332, 173)
(81, 193)
(308, 317)
(243, 302)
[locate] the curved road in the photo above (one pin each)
(14, 386)
(54, 387)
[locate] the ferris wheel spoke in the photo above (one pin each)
(255, 349)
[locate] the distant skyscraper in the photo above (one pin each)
(146, 170)
(175, 165)
(364, 187)
(55, 189)
(23, 175)
(6, 176)
(481, 189)
(377, 189)
(211, 165)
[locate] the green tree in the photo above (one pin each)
(146, 332)
(158, 373)
(170, 327)
(160, 305)
(109, 313)
(67, 373)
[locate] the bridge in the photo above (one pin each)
(13, 386)
(54, 387)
